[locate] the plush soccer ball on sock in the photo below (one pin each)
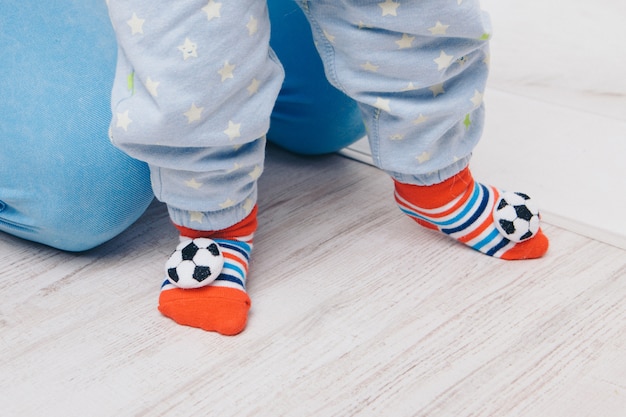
(195, 263)
(516, 217)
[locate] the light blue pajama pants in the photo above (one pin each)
(63, 184)
(196, 82)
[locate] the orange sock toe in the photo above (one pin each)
(532, 248)
(216, 309)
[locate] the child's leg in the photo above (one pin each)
(310, 116)
(418, 71)
(62, 183)
(195, 85)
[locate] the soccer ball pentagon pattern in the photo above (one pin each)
(516, 217)
(195, 263)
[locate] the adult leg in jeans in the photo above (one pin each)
(62, 183)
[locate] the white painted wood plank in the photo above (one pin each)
(356, 311)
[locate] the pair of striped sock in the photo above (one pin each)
(459, 207)
(222, 305)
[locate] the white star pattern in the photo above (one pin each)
(212, 10)
(329, 37)
(152, 87)
(368, 66)
(228, 203)
(383, 104)
(253, 88)
(409, 87)
(421, 119)
(443, 61)
(389, 8)
(439, 29)
(423, 157)
(227, 71)
(136, 25)
(123, 120)
(253, 26)
(405, 42)
(256, 172)
(233, 131)
(477, 99)
(189, 49)
(437, 89)
(196, 217)
(192, 183)
(248, 205)
(236, 167)
(194, 113)
(487, 60)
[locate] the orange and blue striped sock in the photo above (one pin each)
(476, 215)
(222, 305)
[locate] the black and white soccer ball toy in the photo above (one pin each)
(516, 217)
(195, 263)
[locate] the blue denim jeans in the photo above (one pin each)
(61, 182)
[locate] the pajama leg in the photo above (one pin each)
(195, 85)
(418, 70)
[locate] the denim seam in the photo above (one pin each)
(16, 226)
(375, 138)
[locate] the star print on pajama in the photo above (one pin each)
(422, 120)
(194, 109)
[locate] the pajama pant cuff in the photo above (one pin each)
(212, 220)
(432, 177)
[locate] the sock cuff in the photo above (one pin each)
(239, 231)
(436, 195)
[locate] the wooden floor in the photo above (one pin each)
(356, 312)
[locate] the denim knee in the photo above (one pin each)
(76, 209)
(62, 183)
